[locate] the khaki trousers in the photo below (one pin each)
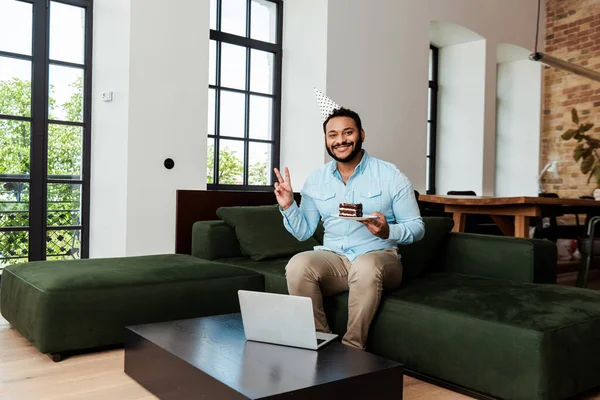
(324, 273)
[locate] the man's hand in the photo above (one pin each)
(378, 227)
(283, 189)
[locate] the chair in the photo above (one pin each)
(589, 248)
(551, 232)
(482, 224)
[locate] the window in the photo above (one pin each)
(432, 119)
(45, 115)
(244, 93)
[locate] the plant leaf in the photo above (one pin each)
(587, 164)
(578, 153)
(594, 143)
(594, 172)
(585, 127)
(568, 135)
(597, 173)
(575, 116)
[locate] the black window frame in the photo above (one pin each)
(250, 44)
(38, 178)
(432, 119)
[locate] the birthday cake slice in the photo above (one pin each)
(351, 210)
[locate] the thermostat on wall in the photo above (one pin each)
(107, 96)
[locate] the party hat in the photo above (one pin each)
(326, 105)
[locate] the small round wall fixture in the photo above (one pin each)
(169, 163)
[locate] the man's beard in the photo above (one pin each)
(357, 149)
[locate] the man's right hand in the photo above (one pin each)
(283, 189)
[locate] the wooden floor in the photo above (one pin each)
(25, 374)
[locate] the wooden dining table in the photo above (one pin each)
(510, 214)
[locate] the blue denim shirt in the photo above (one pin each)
(378, 185)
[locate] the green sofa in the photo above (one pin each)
(480, 312)
(61, 306)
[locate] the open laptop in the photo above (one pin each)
(281, 319)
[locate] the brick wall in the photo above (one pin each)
(573, 34)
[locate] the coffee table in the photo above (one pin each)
(209, 358)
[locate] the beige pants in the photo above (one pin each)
(323, 273)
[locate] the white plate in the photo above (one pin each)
(363, 218)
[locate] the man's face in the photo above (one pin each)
(342, 138)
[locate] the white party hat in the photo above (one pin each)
(326, 105)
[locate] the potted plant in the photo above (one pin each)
(587, 149)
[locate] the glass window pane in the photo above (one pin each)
(430, 64)
(263, 25)
(211, 111)
(66, 94)
(64, 204)
(15, 87)
(213, 14)
(233, 66)
(210, 161)
(15, 140)
(64, 151)
(233, 17)
(67, 33)
(231, 162)
(428, 139)
(259, 164)
(16, 26)
(261, 117)
(14, 247)
(14, 205)
(429, 92)
(427, 167)
(232, 114)
(212, 63)
(261, 71)
(63, 244)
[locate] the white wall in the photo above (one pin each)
(168, 117)
(518, 150)
(162, 52)
(461, 117)
(377, 63)
(371, 58)
(304, 67)
(110, 129)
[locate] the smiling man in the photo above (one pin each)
(357, 256)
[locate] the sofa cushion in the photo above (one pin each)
(79, 304)
(418, 256)
(212, 240)
(261, 233)
(273, 271)
(507, 339)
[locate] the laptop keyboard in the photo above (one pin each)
(319, 341)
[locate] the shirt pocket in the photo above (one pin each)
(371, 199)
(326, 203)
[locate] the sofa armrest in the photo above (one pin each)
(213, 240)
(500, 257)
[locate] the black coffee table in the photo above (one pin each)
(209, 358)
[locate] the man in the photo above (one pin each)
(359, 257)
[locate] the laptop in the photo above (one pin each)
(281, 319)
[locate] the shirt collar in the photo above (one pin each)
(359, 168)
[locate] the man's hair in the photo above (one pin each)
(344, 112)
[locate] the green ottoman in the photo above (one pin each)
(79, 304)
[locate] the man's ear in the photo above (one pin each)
(362, 134)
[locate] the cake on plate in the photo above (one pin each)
(351, 210)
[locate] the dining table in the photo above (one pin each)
(511, 214)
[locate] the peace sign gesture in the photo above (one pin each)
(283, 189)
